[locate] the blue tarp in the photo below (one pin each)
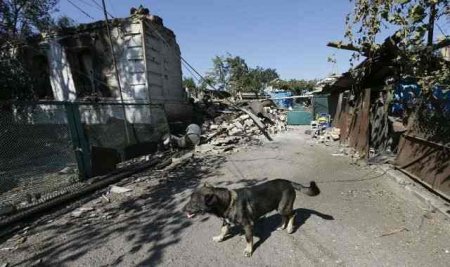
(282, 103)
(405, 94)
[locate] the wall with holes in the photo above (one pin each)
(147, 56)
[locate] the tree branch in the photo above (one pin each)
(442, 44)
(350, 47)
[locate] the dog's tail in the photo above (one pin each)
(311, 190)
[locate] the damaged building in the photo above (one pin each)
(148, 63)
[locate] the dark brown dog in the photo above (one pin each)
(245, 205)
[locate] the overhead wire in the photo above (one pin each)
(441, 30)
(112, 7)
(192, 73)
(94, 4)
(101, 8)
(86, 3)
(80, 9)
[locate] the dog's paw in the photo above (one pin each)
(290, 230)
(218, 238)
(281, 228)
(247, 253)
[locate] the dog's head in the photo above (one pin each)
(203, 200)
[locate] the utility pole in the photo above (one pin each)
(116, 71)
(431, 24)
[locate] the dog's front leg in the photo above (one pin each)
(223, 232)
(249, 238)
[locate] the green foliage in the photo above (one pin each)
(19, 21)
(21, 18)
(231, 73)
(188, 82)
(411, 20)
(65, 22)
(14, 80)
(296, 86)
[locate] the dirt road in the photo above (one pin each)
(361, 218)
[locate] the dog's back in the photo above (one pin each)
(278, 194)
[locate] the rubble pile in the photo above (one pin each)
(235, 127)
(326, 135)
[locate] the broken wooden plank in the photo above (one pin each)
(258, 123)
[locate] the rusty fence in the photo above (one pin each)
(353, 120)
(424, 149)
(47, 149)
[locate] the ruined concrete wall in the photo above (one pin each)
(91, 63)
(60, 74)
(163, 61)
(147, 55)
(129, 51)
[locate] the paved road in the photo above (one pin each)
(361, 218)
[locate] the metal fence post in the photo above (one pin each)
(80, 143)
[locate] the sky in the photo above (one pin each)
(288, 35)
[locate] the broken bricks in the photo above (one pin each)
(239, 125)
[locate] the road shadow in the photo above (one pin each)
(148, 221)
(265, 226)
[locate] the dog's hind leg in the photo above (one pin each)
(285, 208)
(290, 227)
(223, 232)
(249, 238)
(284, 220)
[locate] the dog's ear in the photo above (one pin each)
(210, 199)
(206, 184)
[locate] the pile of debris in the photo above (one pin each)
(225, 124)
(326, 135)
(241, 127)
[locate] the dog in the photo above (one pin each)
(244, 206)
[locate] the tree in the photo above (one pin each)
(65, 22)
(219, 76)
(239, 73)
(265, 76)
(414, 21)
(189, 83)
(231, 73)
(20, 20)
(257, 79)
(296, 86)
